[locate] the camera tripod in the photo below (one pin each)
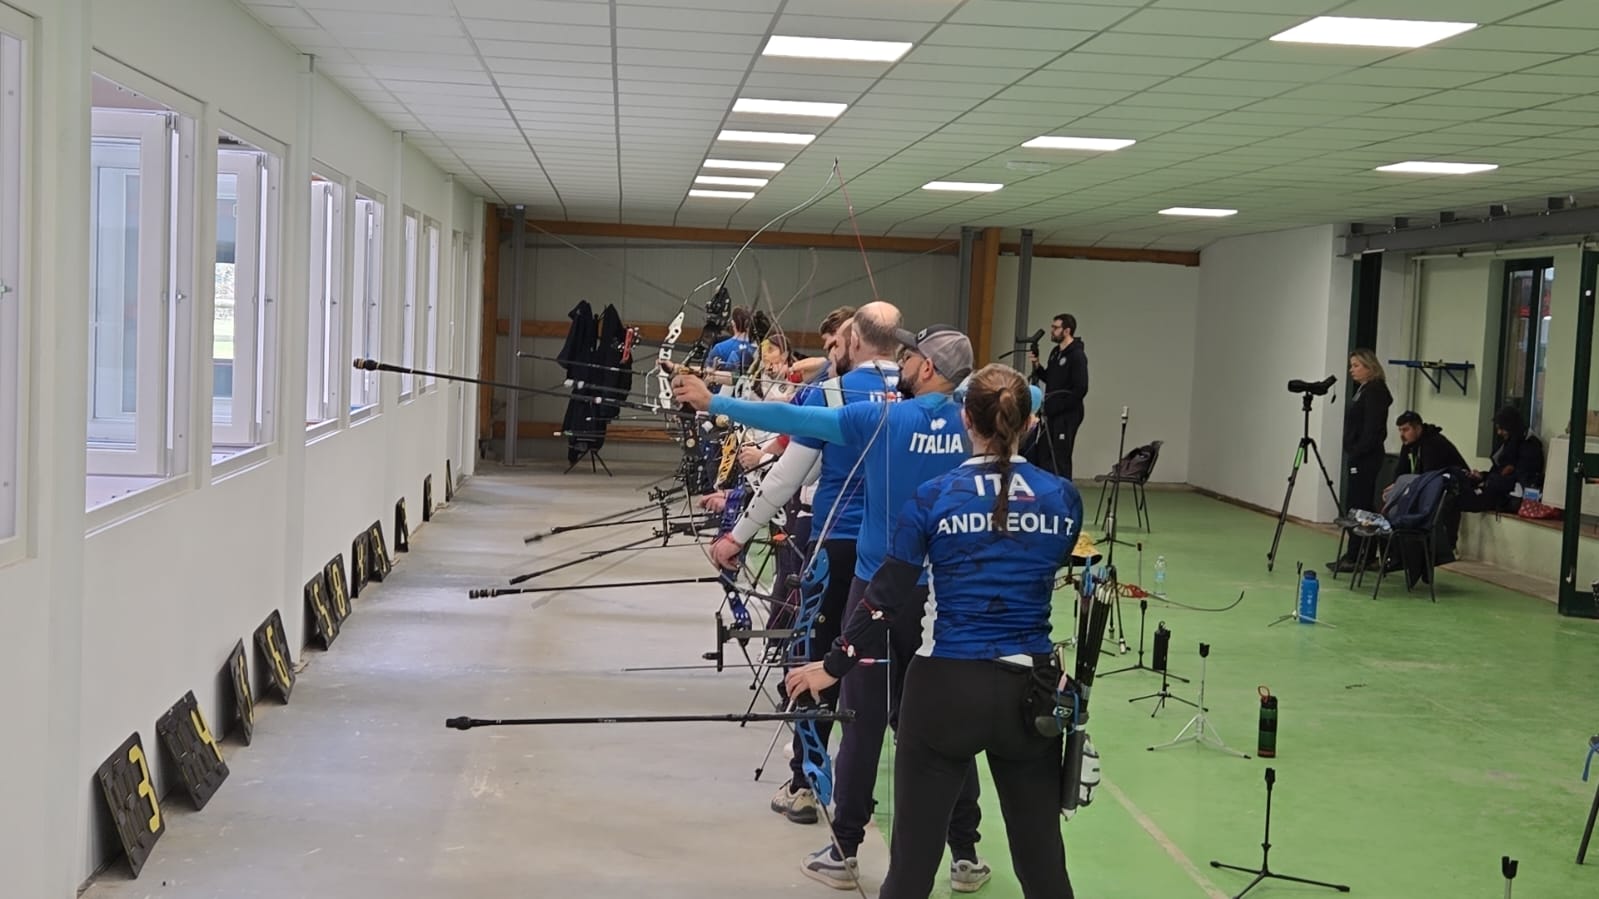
(1306, 442)
(1264, 871)
(1201, 732)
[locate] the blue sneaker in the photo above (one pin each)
(825, 865)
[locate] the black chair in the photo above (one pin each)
(1404, 541)
(1124, 472)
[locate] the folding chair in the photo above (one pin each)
(1137, 481)
(1403, 539)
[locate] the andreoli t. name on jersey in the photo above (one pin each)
(987, 483)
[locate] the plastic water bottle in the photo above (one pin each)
(1160, 575)
(1309, 592)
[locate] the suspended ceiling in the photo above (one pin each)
(605, 111)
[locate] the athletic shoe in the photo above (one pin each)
(825, 865)
(797, 807)
(968, 876)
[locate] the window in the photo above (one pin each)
(1529, 285)
(12, 346)
(325, 356)
(408, 306)
(243, 316)
(366, 319)
(430, 335)
(141, 284)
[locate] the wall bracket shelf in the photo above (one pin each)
(1436, 371)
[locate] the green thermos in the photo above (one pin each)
(1267, 748)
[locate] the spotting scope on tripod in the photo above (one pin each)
(1308, 391)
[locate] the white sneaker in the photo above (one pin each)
(825, 866)
(968, 877)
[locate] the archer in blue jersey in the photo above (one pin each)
(992, 534)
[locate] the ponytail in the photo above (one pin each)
(998, 403)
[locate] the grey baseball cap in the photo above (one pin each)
(945, 346)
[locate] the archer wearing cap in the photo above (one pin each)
(934, 360)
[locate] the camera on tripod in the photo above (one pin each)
(1314, 388)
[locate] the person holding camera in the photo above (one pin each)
(1065, 384)
(993, 531)
(1365, 433)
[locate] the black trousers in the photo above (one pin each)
(1055, 438)
(873, 693)
(1362, 492)
(952, 710)
(829, 623)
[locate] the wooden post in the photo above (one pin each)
(985, 272)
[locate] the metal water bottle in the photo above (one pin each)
(1309, 592)
(1266, 747)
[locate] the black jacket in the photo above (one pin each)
(1366, 420)
(1523, 455)
(1065, 380)
(1433, 452)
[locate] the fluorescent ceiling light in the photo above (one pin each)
(722, 194)
(730, 182)
(834, 48)
(1199, 211)
(1439, 168)
(972, 186)
(766, 137)
(1371, 32)
(743, 165)
(1051, 142)
(790, 107)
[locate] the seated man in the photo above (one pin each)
(1516, 465)
(1426, 449)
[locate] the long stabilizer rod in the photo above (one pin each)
(375, 365)
(466, 723)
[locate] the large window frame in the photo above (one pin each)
(256, 165)
(410, 259)
(1524, 339)
(132, 463)
(430, 314)
(366, 292)
(16, 131)
(326, 359)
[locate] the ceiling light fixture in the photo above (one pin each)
(805, 108)
(766, 137)
(1353, 32)
(1052, 142)
(730, 182)
(743, 165)
(1438, 168)
(834, 48)
(722, 194)
(1199, 211)
(970, 186)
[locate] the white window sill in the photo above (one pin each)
(114, 499)
(321, 430)
(227, 461)
(362, 414)
(13, 549)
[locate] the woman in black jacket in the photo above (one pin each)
(1365, 432)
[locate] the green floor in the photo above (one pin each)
(1417, 744)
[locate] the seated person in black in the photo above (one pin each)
(1425, 448)
(1518, 461)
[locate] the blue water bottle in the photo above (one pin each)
(1309, 590)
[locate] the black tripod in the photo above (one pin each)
(1305, 442)
(1158, 659)
(1115, 626)
(594, 456)
(1264, 871)
(1159, 655)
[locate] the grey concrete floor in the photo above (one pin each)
(356, 788)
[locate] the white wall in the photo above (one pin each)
(1272, 308)
(113, 627)
(802, 285)
(1137, 322)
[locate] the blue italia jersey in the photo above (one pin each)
(840, 501)
(735, 354)
(989, 591)
(921, 439)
